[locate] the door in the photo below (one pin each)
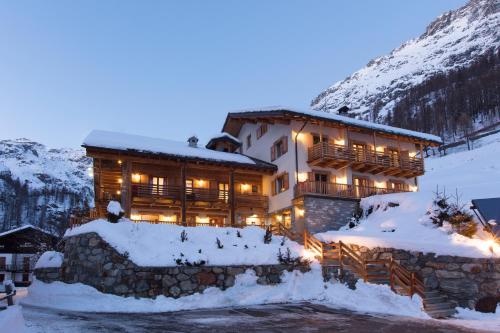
(158, 185)
(393, 157)
(321, 182)
(26, 269)
(224, 192)
(359, 151)
(361, 186)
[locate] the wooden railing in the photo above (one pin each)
(340, 190)
(325, 150)
(400, 279)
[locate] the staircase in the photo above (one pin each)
(379, 271)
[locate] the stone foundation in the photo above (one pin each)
(463, 280)
(90, 260)
(323, 214)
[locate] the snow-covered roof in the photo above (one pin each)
(335, 118)
(144, 144)
(27, 226)
(225, 135)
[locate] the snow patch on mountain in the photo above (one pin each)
(453, 40)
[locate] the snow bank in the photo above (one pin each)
(296, 287)
(477, 320)
(12, 320)
(160, 244)
(50, 259)
(114, 208)
(474, 174)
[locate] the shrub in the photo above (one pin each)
(184, 236)
(287, 259)
(268, 237)
(219, 243)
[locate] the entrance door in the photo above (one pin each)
(359, 151)
(158, 185)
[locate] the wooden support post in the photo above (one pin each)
(341, 263)
(412, 284)
(391, 276)
(126, 190)
(183, 195)
(232, 199)
(375, 147)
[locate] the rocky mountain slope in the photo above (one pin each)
(41, 186)
(453, 41)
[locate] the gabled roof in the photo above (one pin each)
(223, 137)
(143, 145)
(25, 227)
(232, 124)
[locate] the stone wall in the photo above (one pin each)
(463, 280)
(323, 214)
(49, 274)
(90, 260)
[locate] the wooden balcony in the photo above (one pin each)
(174, 193)
(340, 190)
(329, 155)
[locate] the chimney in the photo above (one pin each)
(193, 141)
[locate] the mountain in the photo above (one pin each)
(41, 186)
(453, 42)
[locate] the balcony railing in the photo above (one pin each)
(340, 190)
(19, 267)
(197, 194)
(327, 153)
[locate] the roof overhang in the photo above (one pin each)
(235, 120)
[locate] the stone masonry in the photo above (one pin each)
(463, 280)
(323, 214)
(90, 260)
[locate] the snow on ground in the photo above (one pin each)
(160, 244)
(296, 287)
(474, 174)
(50, 259)
(477, 320)
(12, 320)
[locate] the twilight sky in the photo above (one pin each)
(173, 69)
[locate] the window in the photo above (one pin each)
(2, 277)
(397, 185)
(280, 184)
(158, 185)
(2, 263)
(279, 148)
(261, 130)
(393, 156)
(224, 192)
(317, 138)
(255, 189)
(249, 141)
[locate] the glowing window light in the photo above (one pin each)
(136, 178)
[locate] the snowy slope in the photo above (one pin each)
(473, 174)
(453, 40)
(40, 186)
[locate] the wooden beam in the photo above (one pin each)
(183, 195)
(126, 190)
(232, 199)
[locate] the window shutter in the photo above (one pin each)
(273, 186)
(273, 152)
(284, 144)
(285, 181)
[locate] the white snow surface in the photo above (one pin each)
(225, 135)
(123, 141)
(12, 320)
(348, 121)
(453, 40)
(474, 174)
(160, 244)
(477, 320)
(295, 287)
(36, 165)
(50, 259)
(114, 208)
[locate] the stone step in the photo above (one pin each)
(441, 313)
(433, 300)
(438, 306)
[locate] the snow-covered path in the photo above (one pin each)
(301, 317)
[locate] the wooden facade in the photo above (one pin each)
(163, 189)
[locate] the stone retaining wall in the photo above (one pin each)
(90, 260)
(323, 214)
(463, 280)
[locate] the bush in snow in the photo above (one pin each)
(219, 243)
(268, 237)
(115, 211)
(184, 236)
(238, 234)
(453, 213)
(287, 259)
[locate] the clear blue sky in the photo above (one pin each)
(171, 69)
